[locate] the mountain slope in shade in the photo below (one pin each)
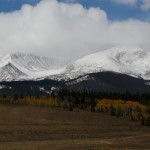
(102, 81)
(109, 81)
(130, 61)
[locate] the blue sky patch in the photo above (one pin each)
(114, 11)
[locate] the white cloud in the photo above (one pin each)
(126, 2)
(66, 30)
(145, 5)
(69, 1)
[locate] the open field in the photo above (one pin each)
(49, 128)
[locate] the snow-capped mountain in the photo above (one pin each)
(126, 60)
(21, 66)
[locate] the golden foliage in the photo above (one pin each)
(41, 101)
(106, 103)
(135, 110)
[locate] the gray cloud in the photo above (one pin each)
(66, 30)
(126, 2)
(145, 5)
(142, 4)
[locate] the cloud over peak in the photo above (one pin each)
(66, 30)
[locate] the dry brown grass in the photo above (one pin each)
(49, 128)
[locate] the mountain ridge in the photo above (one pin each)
(31, 65)
(125, 60)
(131, 61)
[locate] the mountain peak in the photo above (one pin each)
(133, 61)
(9, 72)
(31, 65)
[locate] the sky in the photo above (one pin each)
(72, 28)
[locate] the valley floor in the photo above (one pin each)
(49, 128)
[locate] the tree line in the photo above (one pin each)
(136, 106)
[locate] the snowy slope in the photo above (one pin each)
(21, 66)
(9, 72)
(126, 60)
